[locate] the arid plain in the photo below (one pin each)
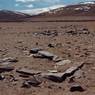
(74, 41)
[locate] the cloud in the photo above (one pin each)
(24, 1)
(46, 1)
(38, 3)
(30, 6)
(41, 10)
(16, 5)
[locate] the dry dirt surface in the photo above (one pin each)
(73, 41)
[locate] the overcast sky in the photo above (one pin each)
(33, 4)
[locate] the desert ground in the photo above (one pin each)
(74, 41)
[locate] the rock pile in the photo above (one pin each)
(30, 77)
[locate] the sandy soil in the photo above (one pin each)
(16, 39)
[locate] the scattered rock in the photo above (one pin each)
(50, 86)
(56, 77)
(75, 32)
(25, 84)
(35, 50)
(63, 62)
(28, 71)
(13, 78)
(46, 33)
(85, 31)
(38, 56)
(52, 71)
(34, 81)
(76, 87)
(2, 77)
(58, 45)
(8, 60)
(46, 54)
(93, 68)
(39, 53)
(72, 32)
(71, 79)
(24, 76)
(6, 68)
(78, 74)
(51, 45)
(5, 63)
(57, 59)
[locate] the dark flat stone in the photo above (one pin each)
(6, 68)
(28, 71)
(76, 87)
(59, 77)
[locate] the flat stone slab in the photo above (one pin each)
(40, 53)
(56, 77)
(59, 77)
(63, 62)
(47, 54)
(28, 71)
(57, 59)
(8, 60)
(6, 68)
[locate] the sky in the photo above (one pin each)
(34, 4)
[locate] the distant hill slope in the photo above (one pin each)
(85, 9)
(6, 15)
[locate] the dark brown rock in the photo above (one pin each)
(2, 77)
(25, 84)
(34, 81)
(6, 68)
(76, 87)
(51, 45)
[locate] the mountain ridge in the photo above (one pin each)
(72, 10)
(7, 15)
(83, 9)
